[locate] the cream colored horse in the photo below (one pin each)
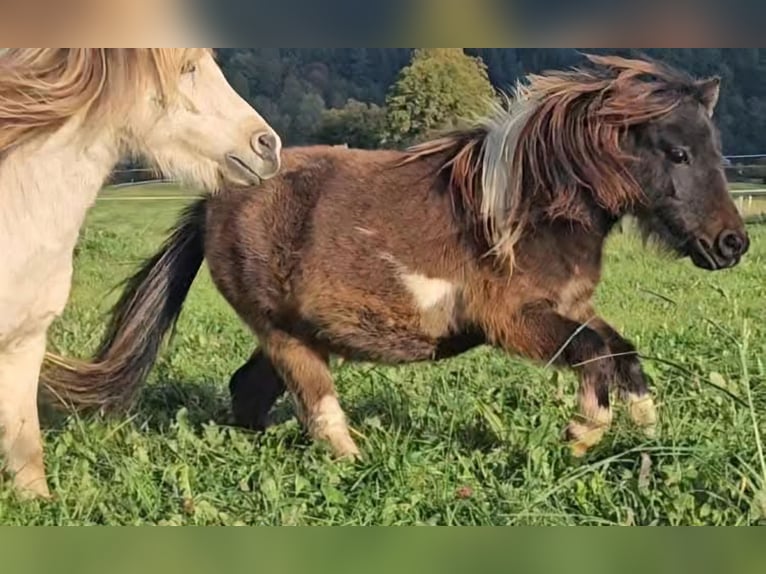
(66, 117)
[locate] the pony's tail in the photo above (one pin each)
(148, 308)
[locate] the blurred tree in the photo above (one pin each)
(308, 116)
(357, 124)
(440, 87)
(275, 81)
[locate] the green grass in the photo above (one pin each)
(475, 440)
(155, 190)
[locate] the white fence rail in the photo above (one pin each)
(745, 200)
(748, 192)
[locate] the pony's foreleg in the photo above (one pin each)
(307, 376)
(22, 446)
(254, 388)
(544, 335)
(631, 380)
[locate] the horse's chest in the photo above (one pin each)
(33, 291)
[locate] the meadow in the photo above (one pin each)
(471, 441)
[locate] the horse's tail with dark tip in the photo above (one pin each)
(148, 308)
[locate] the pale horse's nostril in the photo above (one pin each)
(266, 145)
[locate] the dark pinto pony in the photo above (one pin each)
(491, 235)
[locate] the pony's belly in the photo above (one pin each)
(363, 337)
(390, 345)
(408, 318)
(387, 352)
(403, 350)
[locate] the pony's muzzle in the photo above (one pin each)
(724, 252)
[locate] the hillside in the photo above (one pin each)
(292, 86)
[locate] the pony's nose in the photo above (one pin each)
(732, 244)
(267, 145)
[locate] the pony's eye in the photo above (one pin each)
(678, 155)
(189, 68)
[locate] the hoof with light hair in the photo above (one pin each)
(643, 413)
(583, 437)
(329, 425)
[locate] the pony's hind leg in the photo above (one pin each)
(254, 388)
(307, 376)
(21, 442)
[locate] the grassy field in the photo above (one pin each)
(475, 440)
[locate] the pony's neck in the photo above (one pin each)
(48, 184)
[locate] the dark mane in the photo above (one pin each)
(559, 137)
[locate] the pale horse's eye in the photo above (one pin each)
(189, 68)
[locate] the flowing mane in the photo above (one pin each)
(41, 88)
(560, 135)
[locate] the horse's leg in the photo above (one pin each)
(631, 380)
(307, 376)
(254, 389)
(544, 335)
(21, 442)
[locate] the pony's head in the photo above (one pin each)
(687, 204)
(636, 137)
(173, 106)
(624, 136)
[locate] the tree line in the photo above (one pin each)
(320, 95)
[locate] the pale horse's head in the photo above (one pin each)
(192, 124)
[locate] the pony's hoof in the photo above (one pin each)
(32, 490)
(643, 413)
(578, 449)
(328, 424)
(251, 422)
(582, 437)
(649, 431)
(347, 450)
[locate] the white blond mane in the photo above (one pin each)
(492, 153)
(500, 195)
(42, 88)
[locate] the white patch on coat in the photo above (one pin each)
(365, 231)
(428, 292)
(437, 300)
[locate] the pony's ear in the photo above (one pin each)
(709, 91)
